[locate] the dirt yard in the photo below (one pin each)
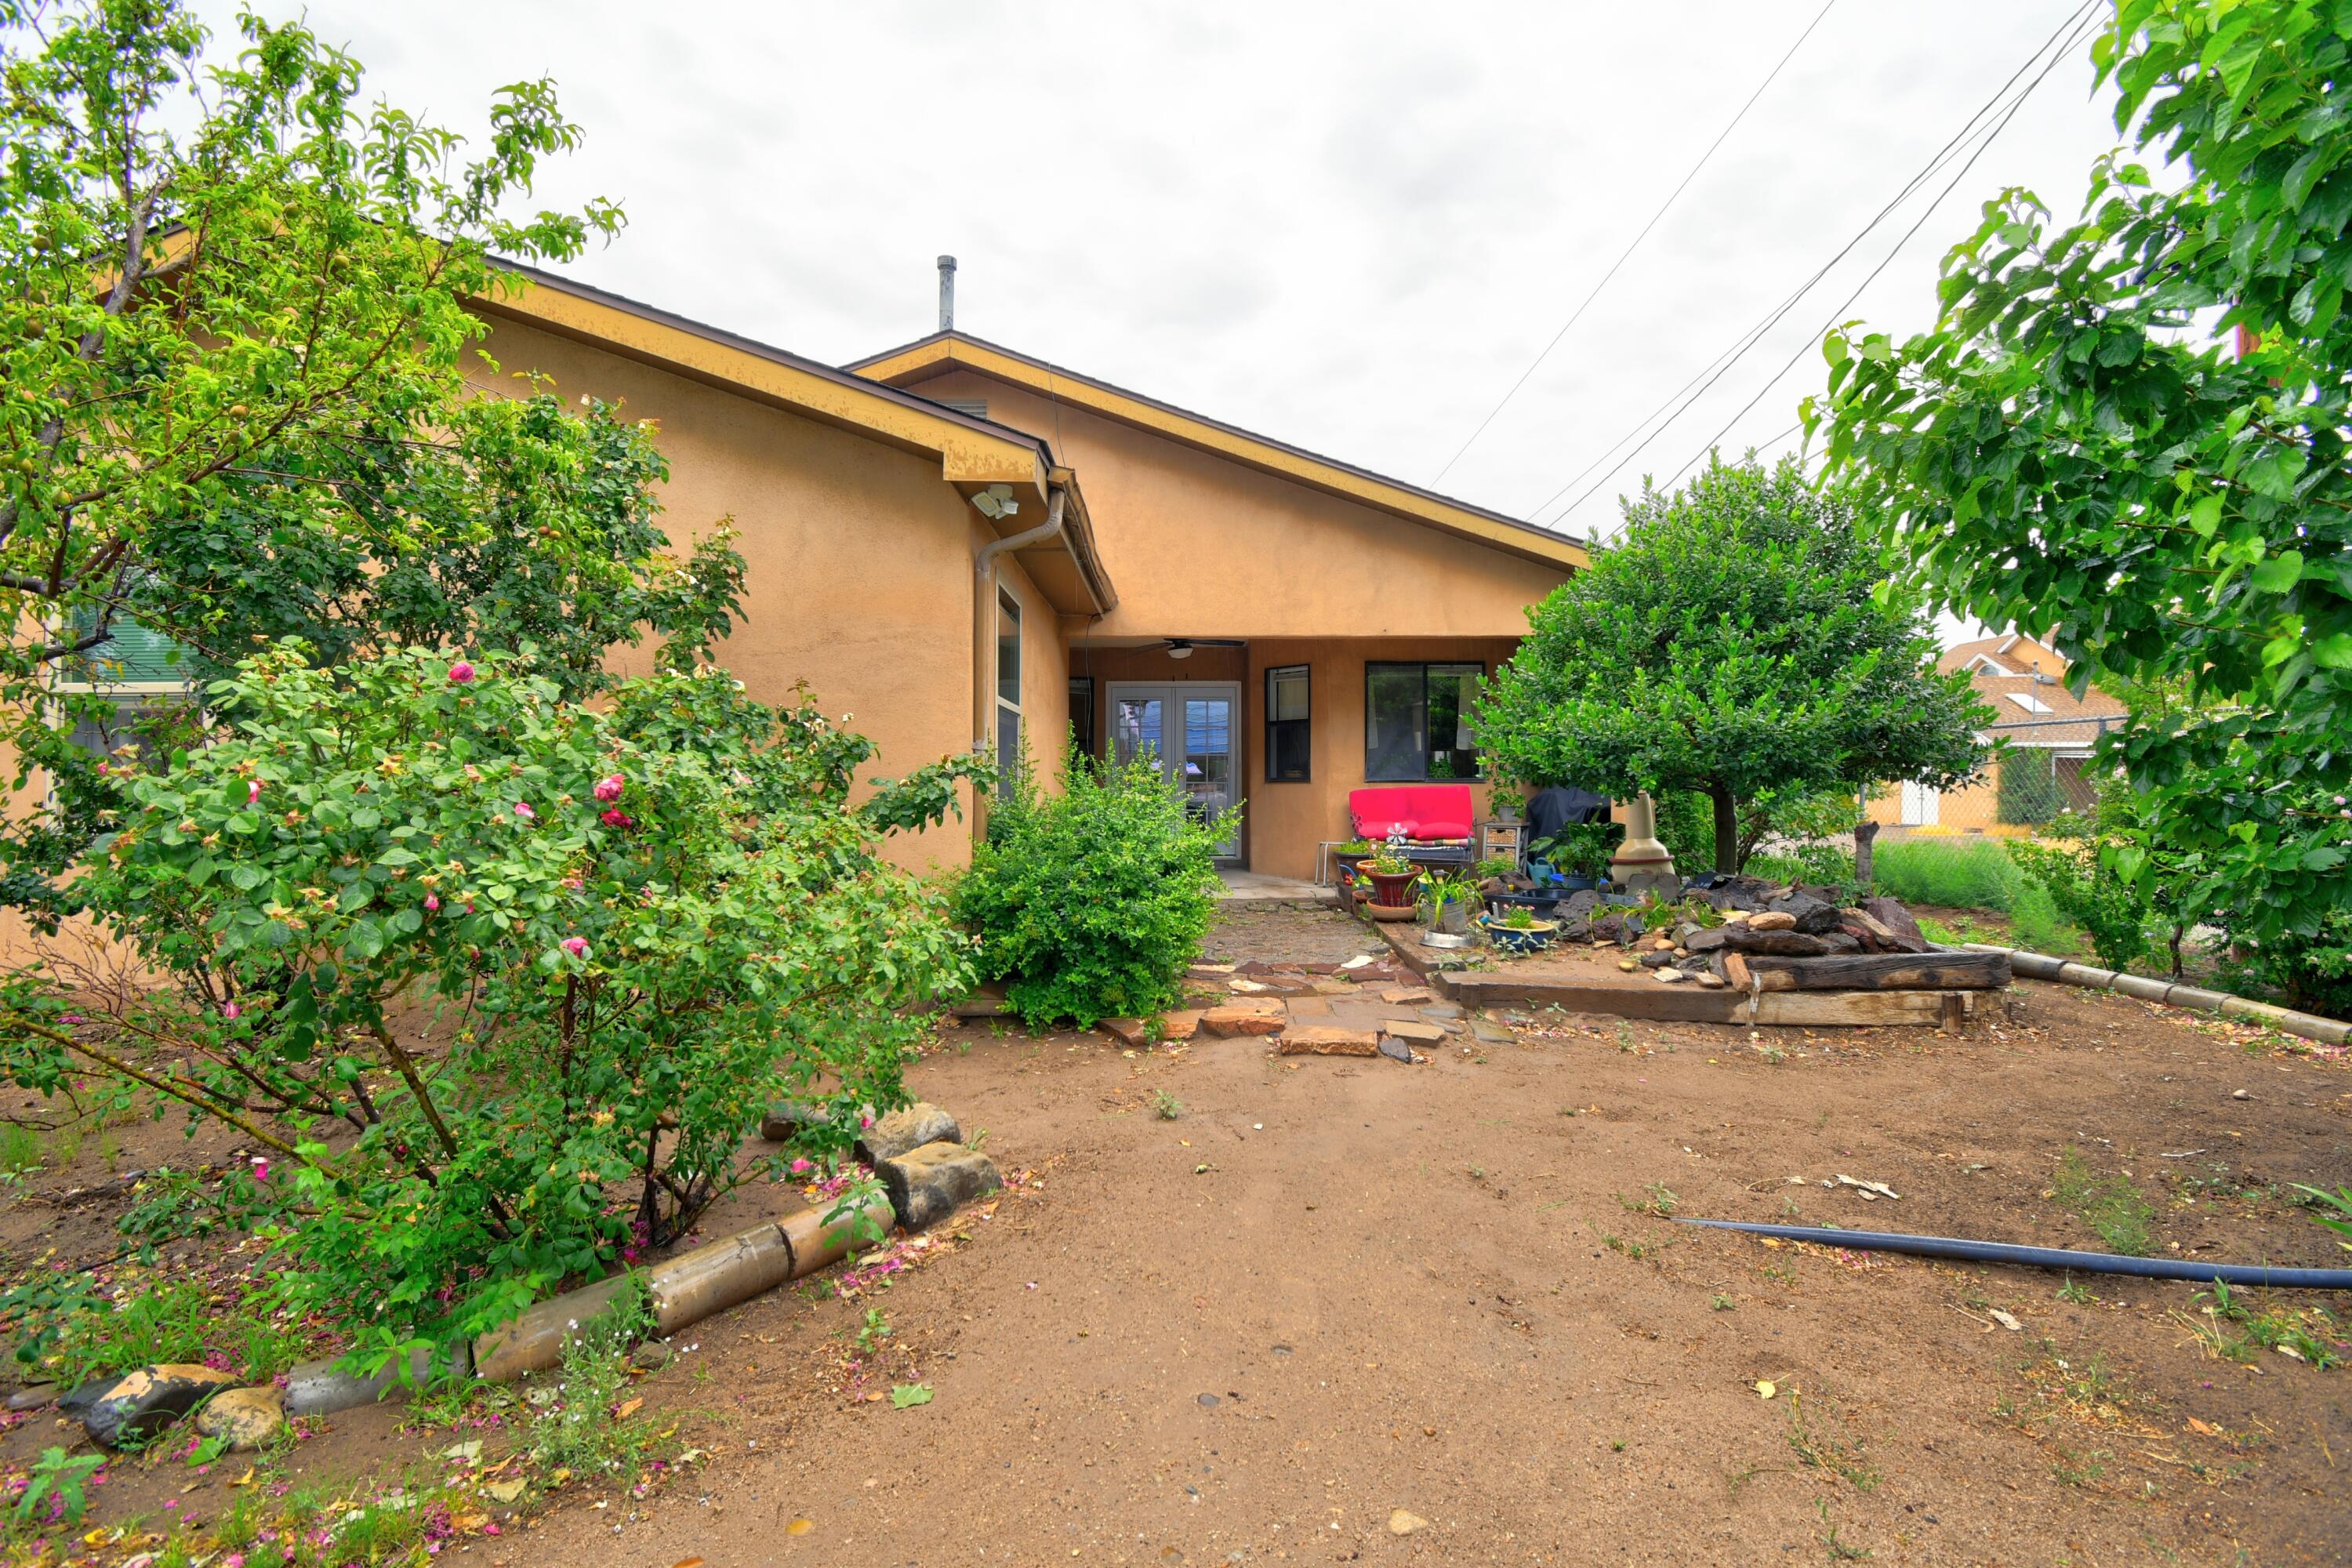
(1342, 1310)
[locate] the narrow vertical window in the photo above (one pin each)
(1288, 751)
(1082, 714)
(1008, 692)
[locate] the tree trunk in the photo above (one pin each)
(1865, 834)
(1727, 830)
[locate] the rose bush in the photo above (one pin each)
(501, 980)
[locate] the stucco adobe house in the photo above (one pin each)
(962, 545)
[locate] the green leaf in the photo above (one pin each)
(2333, 652)
(2279, 573)
(904, 1396)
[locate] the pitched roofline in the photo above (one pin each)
(943, 351)
(974, 452)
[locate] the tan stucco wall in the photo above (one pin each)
(859, 579)
(1202, 547)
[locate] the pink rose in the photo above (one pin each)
(577, 946)
(260, 1169)
(801, 1166)
(523, 810)
(431, 902)
(615, 817)
(460, 673)
(231, 1011)
(609, 789)
(252, 792)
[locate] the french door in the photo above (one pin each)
(1188, 726)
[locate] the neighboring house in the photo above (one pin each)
(2048, 733)
(961, 545)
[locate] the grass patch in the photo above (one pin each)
(2116, 1212)
(2234, 1328)
(1841, 1457)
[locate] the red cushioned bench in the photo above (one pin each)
(1434, 814)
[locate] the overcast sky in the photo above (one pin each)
(1349, 227)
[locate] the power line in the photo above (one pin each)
(1721, 364)
(1839, 314)
(1629, 250)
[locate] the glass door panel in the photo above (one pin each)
(1188, 726)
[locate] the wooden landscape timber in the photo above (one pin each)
(1876, 971)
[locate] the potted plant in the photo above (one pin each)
(1518, 930)
(1347, 872)
(1392, 874)
(1451, 899)
(1578, 853)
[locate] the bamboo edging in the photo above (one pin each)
(2172, 994)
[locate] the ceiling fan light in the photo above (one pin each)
(1179, 648)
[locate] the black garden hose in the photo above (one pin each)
(2047, 1257)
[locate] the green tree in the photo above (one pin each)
(243, 390)
(1736, 639)
(2069, 450)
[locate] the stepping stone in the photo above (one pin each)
(1489, 1034)
(1228, 1022)
(1208, 970)
(1413, 1030)
(1406, 993)
(1246, 987)
(1328, 985)
(1314, 1007)
(1313, 1040)
(1443, 1010)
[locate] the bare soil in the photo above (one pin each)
(1330, 1289)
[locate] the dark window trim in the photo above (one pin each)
(1424, 666)
(1306, 671)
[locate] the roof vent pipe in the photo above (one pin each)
(947, 294)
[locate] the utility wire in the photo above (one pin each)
(1715, 368)
(1840, 314)
(1628, 252)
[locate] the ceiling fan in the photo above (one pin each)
(1181, 647)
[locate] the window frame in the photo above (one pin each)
(1008, 760)
(1306, 722)
(1373, 666)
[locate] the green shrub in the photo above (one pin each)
(1952, 873)
(1088, 903)
(642, 921)
(2086, 892)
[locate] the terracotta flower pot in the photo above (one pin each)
(1388, 888)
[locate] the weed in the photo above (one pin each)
(2075, 1294)
(2114, 1209)
(1168, 1107)
(2073, 1468)
(1722, 1303)
(1841, 1458)
(20, 1148)
(577, 1430)
(1630, 1248)
(1626, 1040)
(876, 1329)
(1840, 1551)
(1773, 1054)
(165, 1323)
(2236, 1332)
(57, 1480)
(978, 1139)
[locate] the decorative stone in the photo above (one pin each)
(1227, 1022)
(248, 1417)
(129, 1409)
(1709, 980)
(652, 1356)
(786, 1119)
(1772, 920)
(1657, 959)
(34, 1396)
(920, 1123)
(1813, 915)
(1395, 1049)
(927, 1185)
(1326, 1040)
(1670, 976)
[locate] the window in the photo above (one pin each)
(1008, 692)
(1082, 714)
(1417, 721)
(2028, 701)
(1287, 744)
(141, 728)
